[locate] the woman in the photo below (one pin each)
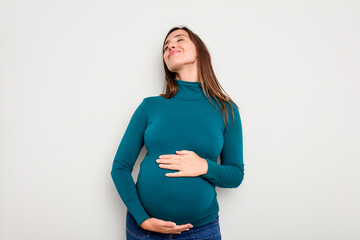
(184, 131)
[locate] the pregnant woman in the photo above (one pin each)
(184, 131)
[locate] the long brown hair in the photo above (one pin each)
(208, 80)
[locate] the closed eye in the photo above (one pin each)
(177, 40)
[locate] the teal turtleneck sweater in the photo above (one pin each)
(187, 121)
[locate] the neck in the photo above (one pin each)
(189, 91)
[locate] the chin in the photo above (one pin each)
(178, 65)
(174, 68)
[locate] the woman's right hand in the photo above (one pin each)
(161, 226)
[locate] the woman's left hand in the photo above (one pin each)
(187, 162)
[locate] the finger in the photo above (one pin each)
(182, 152)
(169, 156)
(168, 224)
(183, 227)
(165, 165)
(186, 228)
(167, 161)
(163, 160)
(169, 166)
(175, 174)
(188, 225)
(177, 227)
(176, 230)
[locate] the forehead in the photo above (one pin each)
(175, 34)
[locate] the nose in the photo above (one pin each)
(171, 46)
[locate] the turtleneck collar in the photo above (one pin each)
(189, 91)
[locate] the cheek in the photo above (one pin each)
(190, 54)
(165, 57)
(190, 50)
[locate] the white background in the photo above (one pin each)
(73, 72)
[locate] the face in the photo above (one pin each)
(179, 51)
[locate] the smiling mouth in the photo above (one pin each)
(173, 53)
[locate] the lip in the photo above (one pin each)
(173, 52)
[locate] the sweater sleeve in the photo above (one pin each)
(230, 173)
(125, 158)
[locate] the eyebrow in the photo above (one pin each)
(174, 37)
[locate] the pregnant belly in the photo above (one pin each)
(179, 199)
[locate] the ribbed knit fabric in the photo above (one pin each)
(187, 121)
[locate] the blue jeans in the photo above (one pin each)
(210, 231)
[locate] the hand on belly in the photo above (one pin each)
(187, 162)
(158, 225)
